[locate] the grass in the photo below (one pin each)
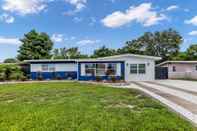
(75, 107)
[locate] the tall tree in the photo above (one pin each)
(133, 47)
(164, 44)
(70, 53)
(192, 52)
(103, 52)
(35, 46)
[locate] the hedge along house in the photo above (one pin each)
(128, 67)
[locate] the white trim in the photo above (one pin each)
(138, 64)
(97, 59)
(132, 55)
(177, 62)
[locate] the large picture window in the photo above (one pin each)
(111, 69)
(101, 69)
(90, 69)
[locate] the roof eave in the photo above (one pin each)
(133, 55)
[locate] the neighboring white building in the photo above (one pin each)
(129, 67)
(181, 69)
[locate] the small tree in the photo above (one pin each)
(11, 72)
(192, 52)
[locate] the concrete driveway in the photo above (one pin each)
(179, 95)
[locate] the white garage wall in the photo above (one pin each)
(58, 67)
(150, 70)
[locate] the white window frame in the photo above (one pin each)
(136, 66)
(49, 68)
(141, 70)
(44, 67)
(138, 69)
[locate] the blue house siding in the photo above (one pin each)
(54, 75)
(87, 78)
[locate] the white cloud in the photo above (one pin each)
(72, 38)
(57, 38)
(143, 14)
(78, 4)
(92, 21)
(24, 7)
(186, 10)
(9, 41)
(77, 19)
(7, 18)
(86, 42)
(113, 1)
(192, 21)
(172, 7)
(193, 33)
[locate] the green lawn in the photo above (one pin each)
(76, 107)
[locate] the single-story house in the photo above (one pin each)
(180, 69)
(128, 67)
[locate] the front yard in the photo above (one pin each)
(75, 106)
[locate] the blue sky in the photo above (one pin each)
(89, 24)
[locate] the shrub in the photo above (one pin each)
(113, 79)
(2, 76)
(58, 76)
(98, 78)
(39, 76)
(16, 76)
(121, 77)
(23, 78)
(10, 72)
